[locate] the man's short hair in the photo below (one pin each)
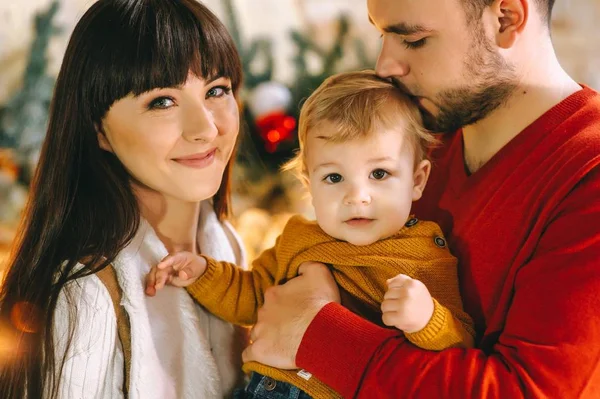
(475, 8)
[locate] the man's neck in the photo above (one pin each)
(175, 221)
(537, 92)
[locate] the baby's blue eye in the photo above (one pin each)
(379, 174)
(333, 178)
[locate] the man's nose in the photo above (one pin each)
(391, 61)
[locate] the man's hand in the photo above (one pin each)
(407, 304)
(180, 270)
(287, 312)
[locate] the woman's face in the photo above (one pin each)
(176, 140)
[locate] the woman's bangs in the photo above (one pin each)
(156, 45)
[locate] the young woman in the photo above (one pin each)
(135, 165)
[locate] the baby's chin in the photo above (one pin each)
(365, 240)
(354, 239)
(360, 241)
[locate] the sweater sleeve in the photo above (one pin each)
(548, 347)
(450, 326)
(235, 294)
(86, 340)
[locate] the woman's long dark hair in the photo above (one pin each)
(81, 203)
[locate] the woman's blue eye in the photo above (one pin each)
(379, 174)
(161, 103)
(333, 178)
(218, 91)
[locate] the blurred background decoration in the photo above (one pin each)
(288, 48)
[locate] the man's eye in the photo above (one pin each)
(379, 174)
(415, 44)
(218, 91)
(161, 103)
(333, 178)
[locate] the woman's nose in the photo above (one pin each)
(199, 125)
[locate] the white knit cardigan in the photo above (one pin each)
(178, 349)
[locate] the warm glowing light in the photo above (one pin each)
(12, 344)
(273, 136)
(25, 317)
(289, 123)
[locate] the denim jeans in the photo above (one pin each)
(261, 387)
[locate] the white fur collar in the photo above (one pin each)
(172, 337)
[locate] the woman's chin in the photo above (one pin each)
(199, 194)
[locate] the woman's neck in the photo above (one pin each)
(175, 221)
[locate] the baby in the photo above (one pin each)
(363, 159)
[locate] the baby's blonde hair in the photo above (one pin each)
(357, 104)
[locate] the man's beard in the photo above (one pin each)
(493, 83)
(464, 106)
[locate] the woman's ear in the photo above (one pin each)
(102, 139)
(420, 178)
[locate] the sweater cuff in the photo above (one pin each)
(338, 346)
(199, 288)
(424, 338)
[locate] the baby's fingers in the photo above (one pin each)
(151, 282)
(176, 261)
(184, 274)
(183, 278)
(398, 281)
(390, 318)
(162, 277)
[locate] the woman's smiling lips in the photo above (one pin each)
(199, 160)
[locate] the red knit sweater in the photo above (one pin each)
(526, 230)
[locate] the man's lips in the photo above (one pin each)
(414, 97)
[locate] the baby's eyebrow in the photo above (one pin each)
(323, 165)
(380, 159)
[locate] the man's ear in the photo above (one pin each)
(102, 139)
(420, 178)
(510, 18)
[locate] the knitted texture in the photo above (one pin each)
(417, 250)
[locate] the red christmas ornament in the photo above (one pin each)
(275, 128)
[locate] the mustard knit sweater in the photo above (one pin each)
(417, 250)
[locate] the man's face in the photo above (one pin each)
(450, 66)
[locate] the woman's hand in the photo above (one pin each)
(286, 314)
(180, 270)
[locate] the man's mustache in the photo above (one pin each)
(402, 87)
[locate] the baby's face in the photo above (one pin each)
(362, 190)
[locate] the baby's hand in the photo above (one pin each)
(180, 270)
(407, 304)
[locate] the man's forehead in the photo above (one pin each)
(411, 15)
(401, 27)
